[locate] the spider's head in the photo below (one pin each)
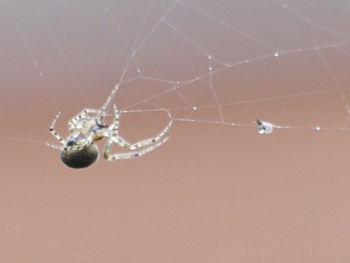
(99, 131)
(74, 155)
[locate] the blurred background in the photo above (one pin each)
(215, 192)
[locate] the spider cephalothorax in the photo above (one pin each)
(79, 150)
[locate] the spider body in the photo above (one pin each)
(80, 158)
(79, 150)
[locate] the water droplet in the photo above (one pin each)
(265, 127)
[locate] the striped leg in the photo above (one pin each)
(54, 146)
(53, 131)
(114, 91)
(125, 144)
(116, 122)
(129, 155)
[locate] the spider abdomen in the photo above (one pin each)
(80, 158)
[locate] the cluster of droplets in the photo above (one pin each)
(265, 127)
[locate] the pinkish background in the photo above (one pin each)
(213, 193)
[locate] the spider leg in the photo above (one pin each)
(125, 144)
(129, 155)
(53, 131)
(115, 125)
(109, 99)
(54, 146)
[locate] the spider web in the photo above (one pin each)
(192, 63)
(214, 63)
(214, 66)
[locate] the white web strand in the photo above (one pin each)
(148, 13)
(181, 84)
(176, 85)
(211, 85)
(124, 36)
(45, 241)
(133, 54)
(331, 73)
(310, 22)
(276, 54)
(31, 54)
(60, 51)
(231, 27)
(325, 64)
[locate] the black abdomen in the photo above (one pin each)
(80, 158)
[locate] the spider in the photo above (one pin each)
(79, 150)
